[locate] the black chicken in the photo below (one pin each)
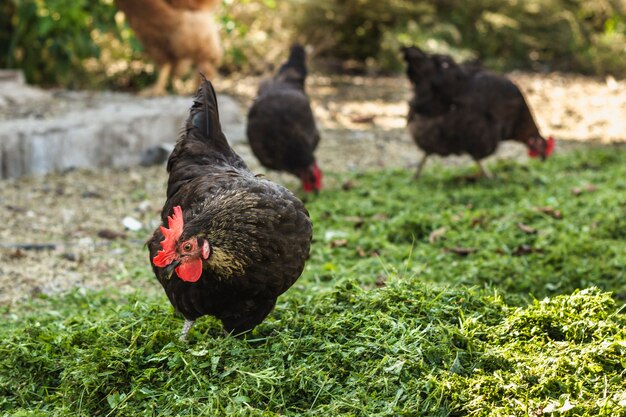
(281, 127)
(461, 108)
(230, 242)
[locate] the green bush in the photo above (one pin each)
(355, 29)
(52, 41)
(572, 35)
(87, 43)
(255, 34)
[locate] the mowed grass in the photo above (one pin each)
(442, 297)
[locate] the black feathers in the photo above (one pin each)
(204, 114)
(462, 108)
(258, 232)
(281, 127)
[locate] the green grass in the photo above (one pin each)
(383, 322)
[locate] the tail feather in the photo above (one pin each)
(204, 113)
(294, 70)
(297, 58)
(202, 147)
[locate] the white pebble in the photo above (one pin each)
(131, 223)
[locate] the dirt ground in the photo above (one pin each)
(68, 229)
(359, 114)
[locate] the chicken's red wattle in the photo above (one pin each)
(190, 271)
(550, 142)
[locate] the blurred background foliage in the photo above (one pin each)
(87, 44)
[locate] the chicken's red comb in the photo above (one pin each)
(168, 254)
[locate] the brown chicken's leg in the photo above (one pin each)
(420, 166)
(186, 328)
(207, 69)
(179, 84)
(158, 88)
(484, 170)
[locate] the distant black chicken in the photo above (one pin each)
(281, 127)
(230, 242)
(464, 109)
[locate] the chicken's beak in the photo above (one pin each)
(169, 270)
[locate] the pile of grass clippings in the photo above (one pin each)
(445, 297)
(399, 350)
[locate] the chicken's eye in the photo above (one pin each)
(187, 247)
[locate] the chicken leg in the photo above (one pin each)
(181, 86)
(185, 331)
(158, 88)
(484, 170)
(420, 166)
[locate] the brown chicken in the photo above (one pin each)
(464, 109)
(194, 4)
(175, 33)
(281, 127)
(230, 242)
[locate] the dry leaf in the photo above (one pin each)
(365, 118)
(550, 211)
(18, 254)
(526, 229)
(361, 252)
(338, 243)
(110, 234)
(461, 251)
(437, 234)
(91, 194)
(589, 188)
(17, 209)
(525, 250)
(357, 220)
(477, 221)
(70, 256)
(348, 185)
